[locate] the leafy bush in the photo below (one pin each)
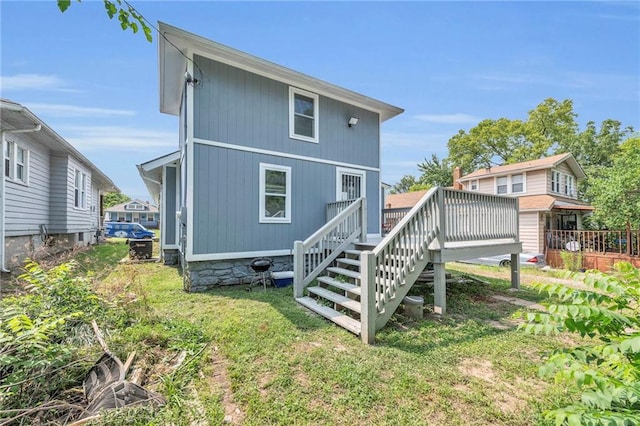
(571, 260)
(606, 368)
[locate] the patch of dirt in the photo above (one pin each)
(518, 302)
(478, 368)
(219, 379)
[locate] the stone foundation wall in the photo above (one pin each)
(17, 249)
(171, 256)
(203, 276)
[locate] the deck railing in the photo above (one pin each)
(441, 216)
(335, 208)
(619, 242)
(313, 255)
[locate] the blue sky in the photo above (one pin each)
(448, 64)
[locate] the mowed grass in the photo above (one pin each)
(270, 361)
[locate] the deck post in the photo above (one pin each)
(441, 235)
(515, 271)
(368, 297)
(439, 289)
(363, 220)
(298, 269)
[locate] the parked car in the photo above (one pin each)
(526, 259)
(127, 230)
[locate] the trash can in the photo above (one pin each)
(414, 306)
(141, 249)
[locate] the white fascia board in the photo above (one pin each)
(160, 161)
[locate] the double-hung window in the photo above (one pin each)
(555, 181)
(517, 183)
(473, 185)
(16, 162)
(80, 190)
(501, 185)
(303, 115)
(569, 188)
(275, 194)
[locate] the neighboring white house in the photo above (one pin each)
(547, 191)
(50, 194)
(136, 211)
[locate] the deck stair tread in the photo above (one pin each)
(347, 261)
(345, 272)
(341, 300)
(339, 318)
(353, 252)
(353, 289)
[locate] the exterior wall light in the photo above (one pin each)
(353, 121)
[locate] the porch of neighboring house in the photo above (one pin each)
(359, 284)
(597, 249)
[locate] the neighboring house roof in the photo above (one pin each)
(542, 163)
(173, 64)
(405, 199)
(549, 202)
(121, 208)
(151, 173)
(17, 116)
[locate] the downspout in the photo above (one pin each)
(3, 186)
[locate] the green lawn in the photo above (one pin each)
(267, 360)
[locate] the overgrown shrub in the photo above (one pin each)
(606, 367)
(571, 260)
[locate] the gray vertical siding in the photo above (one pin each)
(170, 197)
(226, 200)
(237, 107)
(58, 193)
(27, 206)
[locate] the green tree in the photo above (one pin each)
(404, 185)
(127, 15)
(112, 198)
(615, 191)
(605, 368)
(435, 172)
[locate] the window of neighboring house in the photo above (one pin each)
(16, 161)
(473, 185)
(569, 188)
(303, 115)
(555, 181)
(80, 190)
(501, 185)
(275, 194)
(8, 170)
(517, 183)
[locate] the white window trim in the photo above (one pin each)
(295, 91)
(13, 163)
(563, 188)
(343, 170)
(510, 184)
(261, 203)
(82, 192)
(471, 182)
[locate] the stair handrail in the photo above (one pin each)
(313, 255)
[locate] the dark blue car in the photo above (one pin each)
(127, 230)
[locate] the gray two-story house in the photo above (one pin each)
(262, 151)
(50, 194)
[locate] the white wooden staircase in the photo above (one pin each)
(359, 286)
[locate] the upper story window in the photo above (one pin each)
(473, 185)
(501, 185)
(569, 188)
(303, 115)
(135, 206)
(275, 194)
(562, 183)
(80, 190)
(555, 181)
(16, 162)
(517, 183)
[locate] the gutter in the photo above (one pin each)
(3, 183)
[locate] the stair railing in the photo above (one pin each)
(313, 255)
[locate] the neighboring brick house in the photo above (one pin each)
(136, 211)
(547, 193)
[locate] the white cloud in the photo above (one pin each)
(119, 139)
(34, 82)
(59, 110)
(457, 118)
